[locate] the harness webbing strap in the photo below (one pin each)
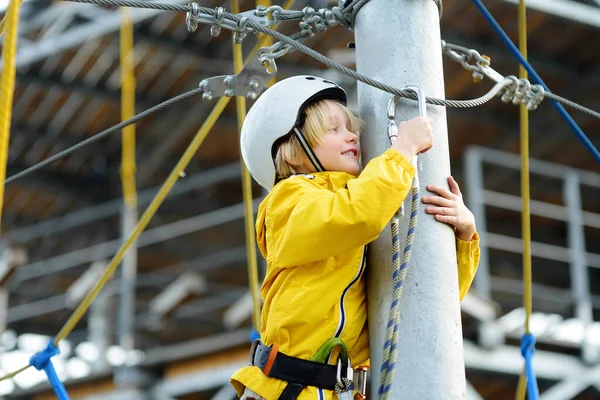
(291, 391)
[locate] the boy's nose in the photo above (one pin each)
(352, 137)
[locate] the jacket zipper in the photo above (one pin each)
(342, 322)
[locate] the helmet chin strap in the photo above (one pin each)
(309, 152)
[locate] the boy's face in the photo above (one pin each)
(339, 150)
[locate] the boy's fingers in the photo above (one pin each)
(440, 210)
(445, 218)
(454, 188)
(440, 201)
(441, 191)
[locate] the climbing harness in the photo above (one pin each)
(399, 267)
(300, 373)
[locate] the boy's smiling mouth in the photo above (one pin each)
(351, 153)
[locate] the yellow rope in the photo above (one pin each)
(128, 109)
(3, 22)
(146, 217)
(14, 373)
(7, 85)
(525, 215)
(247, 190)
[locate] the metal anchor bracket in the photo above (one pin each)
(250, 82)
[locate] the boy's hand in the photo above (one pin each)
(450, 208)
(415, 136)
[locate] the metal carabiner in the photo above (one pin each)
(391, 110)
(392, 130)
(344, 382)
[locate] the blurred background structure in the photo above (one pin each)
(192, 314)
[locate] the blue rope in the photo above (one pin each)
(254, 335)
(41, 361)
(527, 350)
(515, 51)
(399, 266)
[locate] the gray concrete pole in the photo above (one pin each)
(398, 42)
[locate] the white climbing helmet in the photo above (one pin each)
(274, 115)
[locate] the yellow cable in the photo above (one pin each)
(3, 22)
(14, 373)
(7, 85)
(247, 189)
(128, 109)
(525, 215)
(146, 217)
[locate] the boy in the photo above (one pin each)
(300, 142)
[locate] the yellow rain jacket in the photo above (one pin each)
(312, 230)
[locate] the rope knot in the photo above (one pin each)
(40, 360)
(527, 345)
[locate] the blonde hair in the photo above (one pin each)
(314, 127)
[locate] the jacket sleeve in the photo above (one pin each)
(310, 223)
(467, 256)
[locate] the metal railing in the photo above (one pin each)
(574, 254)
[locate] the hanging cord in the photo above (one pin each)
(103, 134)
(128, 110)
(517, 54)
(175, 174)
(240, 103)
(527, 340)
(7, 85)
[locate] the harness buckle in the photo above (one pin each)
(361, 378)
(253, 348)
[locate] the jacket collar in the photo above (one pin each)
(332, 180)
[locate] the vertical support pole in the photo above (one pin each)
(398, 42)
(579, 269)
(490, 335)
(99, 329)
(126, 311)
(10, 260)
(476, 203)
(3, 309)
